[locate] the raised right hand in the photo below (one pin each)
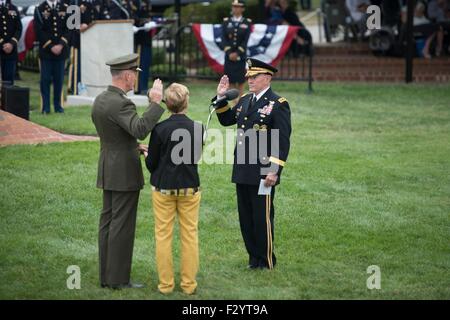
(223, 86)
(155, 94)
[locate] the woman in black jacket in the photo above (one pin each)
(173, 153)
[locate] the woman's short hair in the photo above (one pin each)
(177, 97)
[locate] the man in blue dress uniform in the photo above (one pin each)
(10, 31)
(50, 22)
(263, 120)
(143, 44)
(235, 34)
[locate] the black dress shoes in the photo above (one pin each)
(253, 263)
(129, 285)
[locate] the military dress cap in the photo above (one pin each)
(127, 62)
(238, 3)
(258, 67)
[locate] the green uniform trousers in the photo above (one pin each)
(116, 236)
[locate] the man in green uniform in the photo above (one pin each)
(119, 168)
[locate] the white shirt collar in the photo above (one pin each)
(261, 93)
(236, 19)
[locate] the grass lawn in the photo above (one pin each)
(367, 182)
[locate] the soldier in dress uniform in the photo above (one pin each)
(263, 119)
(50, 22)
(143, 44)
(139, 11)
(118, 9)
(10, 31)
(236, 31)
(119, 168)
(90, 10)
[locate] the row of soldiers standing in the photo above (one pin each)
(57, 42)
(10, 32)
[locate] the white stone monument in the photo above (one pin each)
(103, 40)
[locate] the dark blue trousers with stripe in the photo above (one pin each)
(145, 58)
(52, 72)
(8, 67)
(256, 218)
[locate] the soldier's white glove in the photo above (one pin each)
(150, 25)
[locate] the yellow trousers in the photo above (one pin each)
(166, 208)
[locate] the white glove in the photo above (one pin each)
(135, 29)
(150, 25)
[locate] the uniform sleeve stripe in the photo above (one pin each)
(47, 44)
(223, 109)
(277, 161)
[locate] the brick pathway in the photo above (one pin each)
(15, 130)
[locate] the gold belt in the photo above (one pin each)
(177, 192)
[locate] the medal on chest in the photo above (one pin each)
(238, 111)
(266, 110)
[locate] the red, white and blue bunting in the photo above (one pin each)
(268, 43)
(27, 38)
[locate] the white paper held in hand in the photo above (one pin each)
(263, 190)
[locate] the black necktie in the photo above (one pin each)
(252, 104)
